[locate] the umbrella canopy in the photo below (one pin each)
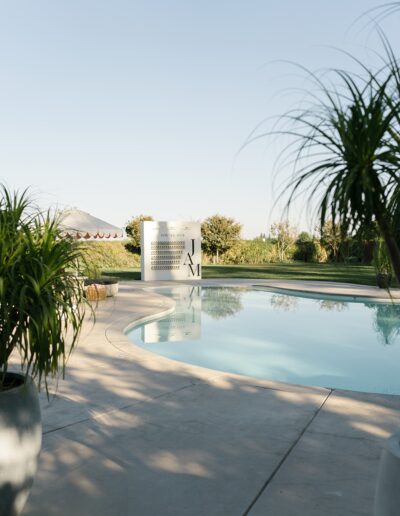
(79, 224)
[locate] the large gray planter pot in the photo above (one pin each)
(387, 495)
(20, 443)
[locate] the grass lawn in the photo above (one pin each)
(361, 274)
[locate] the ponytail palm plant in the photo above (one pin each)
(394, 66)
(347, 154)
(41, 302)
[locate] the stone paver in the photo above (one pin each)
(332, 469)
(131, 432)
(200, 450)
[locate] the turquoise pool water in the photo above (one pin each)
(336, 342)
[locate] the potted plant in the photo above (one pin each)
(382, 264)
(97, 287)
(110, 285)
(41, 314)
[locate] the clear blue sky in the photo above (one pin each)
(127, 107)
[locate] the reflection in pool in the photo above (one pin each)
(183, 324)
(330, 341)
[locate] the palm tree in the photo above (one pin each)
(347, 153)
(393, 65)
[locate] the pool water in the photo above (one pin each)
(337, 342)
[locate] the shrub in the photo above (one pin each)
(283, 237)
(252, 252)
(309, 249)
(133, 231)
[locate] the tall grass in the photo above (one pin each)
(99, 256)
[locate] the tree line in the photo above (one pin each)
(222, 243)
(218, 234)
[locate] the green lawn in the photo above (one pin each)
(361, 274)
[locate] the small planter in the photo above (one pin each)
(384, 280)
(21, 440)
(95, 292)
(111, 285)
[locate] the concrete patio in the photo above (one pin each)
(129, 432)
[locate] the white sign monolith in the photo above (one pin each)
(170, 250)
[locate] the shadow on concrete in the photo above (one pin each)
(136, 440)
(131, 434)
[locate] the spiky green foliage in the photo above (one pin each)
(41, 302)
(393, 98)
(381, 260)
(347, 156)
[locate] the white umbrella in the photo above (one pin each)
(79, 224)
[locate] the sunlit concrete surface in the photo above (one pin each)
(129, 432)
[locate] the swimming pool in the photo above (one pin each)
(327, 341)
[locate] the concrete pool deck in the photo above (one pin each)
(129, 432)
